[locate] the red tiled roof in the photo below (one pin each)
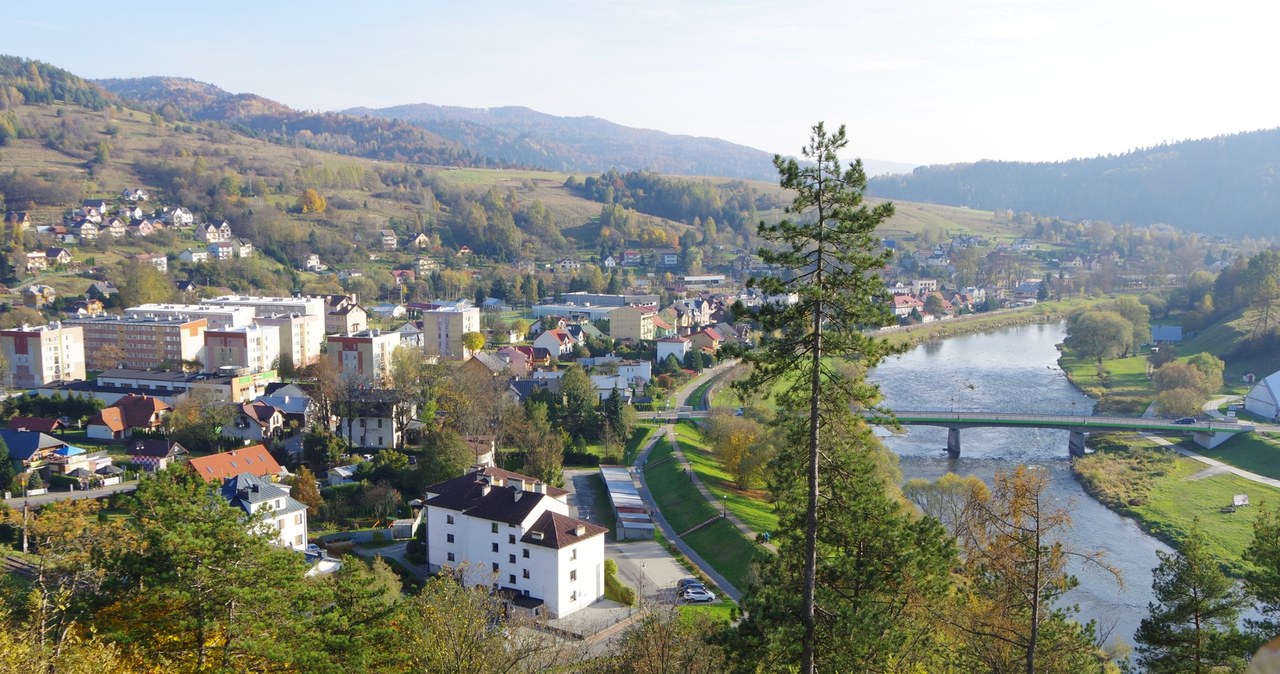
(560, 531)
(110, 417)
(37, 424)
(255, 460)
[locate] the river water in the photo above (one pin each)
(1015, 370)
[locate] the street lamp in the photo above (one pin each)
(724, 501)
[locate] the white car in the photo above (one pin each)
(698, 594)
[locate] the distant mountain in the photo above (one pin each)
(1228, 185)
(584, 144)
(389, 140)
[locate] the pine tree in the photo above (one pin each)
(840, 529)
(1192, 626)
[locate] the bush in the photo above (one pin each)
(616, 591)
(576, 458)
(63, 481)
(610, 567)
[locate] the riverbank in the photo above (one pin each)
(1165, 492)
(1042, 312)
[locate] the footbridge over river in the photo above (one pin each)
(1206, 433)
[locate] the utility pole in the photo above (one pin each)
(24, 526)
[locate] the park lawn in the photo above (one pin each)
(721, 544)
(1124, 386)
(722, 610)
(748, 506)
(1175, 501)
(1250, 451)
(639, 438)
(598, 503)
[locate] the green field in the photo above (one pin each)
(1164, 492)
(1251, 451)
(720, 543)
(749, 506)
(1122, 385)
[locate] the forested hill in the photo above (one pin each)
(177, 98)
(1228, 185)
(523, 136)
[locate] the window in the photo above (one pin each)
(525, 573)
(448, 538)
(450, 557)
(511, 578)
(573, 575)
(511, 559)
(525, 553)
(448, 519)
(495, 547)
(494, 527)
(573, 554)
(573, 596)
(297, 519)
(297, 540)
(511, 538)
(495, 567)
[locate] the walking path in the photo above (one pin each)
(667, 529)
(101, 492)
(706, 493)
(1214, 463)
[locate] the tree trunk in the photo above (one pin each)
(809, 661)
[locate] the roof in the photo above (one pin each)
(488, 493)
(494, 364)
(23, 444)
(1166, 333)
(110, 417)
(258, 412)
(155, 448)
(37, 424)
(255, 459)
(560, 531)
(136, 410)
(245, 490)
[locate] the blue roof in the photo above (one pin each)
(22, 444)
(68, 451)
(1166, 333)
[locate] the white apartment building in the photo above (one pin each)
(43, 354)
(253, 347)
(442, 330)
(301, 336)
(284, 517)
(364, 355)
(218, 317)
(265, 305)
(513, 533)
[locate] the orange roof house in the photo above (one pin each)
(255, 460)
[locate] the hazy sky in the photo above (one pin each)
(920, 81)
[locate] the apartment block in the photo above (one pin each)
(43, 354)
(217, 317)
(143, 341)
(634, 323)
(364, 355)
(265, 305)
(301, 336)
(442, 330)
(253, 348)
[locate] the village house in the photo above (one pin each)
(283, 517)
(211, 233)
(255, 460)
(506, 529)
(256, 422)
(388, 238)
(558, 342)
(155, 455)
(126, 415)
(193, 255)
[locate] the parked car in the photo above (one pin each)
(313, 548)
(687, 582)
(698, 594)
(1185, 420)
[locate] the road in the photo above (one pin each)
(681, 396)
(42, 499)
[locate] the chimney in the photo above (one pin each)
(517, 483)
(539, 488)
(580, 530)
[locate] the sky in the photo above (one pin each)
(915, 81)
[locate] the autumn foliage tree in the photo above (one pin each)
(311, 202)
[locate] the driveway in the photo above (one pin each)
(101, 492)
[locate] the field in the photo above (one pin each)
(720, 543)
(1120, 386)
(1165, 493)
(1252, 452)
(752, 507)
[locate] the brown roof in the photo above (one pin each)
(137, 411)
(255, 460)
(37, 424)
(259, 412)
(155, 448)
(109, 417)
(560, 531)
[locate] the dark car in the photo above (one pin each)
(1185, 420)
(684, 583)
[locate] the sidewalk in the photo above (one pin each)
(1210, 408)
(667, 530)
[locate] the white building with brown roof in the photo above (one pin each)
(509, 531)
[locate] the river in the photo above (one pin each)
(1015, 370)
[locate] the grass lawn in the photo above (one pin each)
(639, 438)
(720, 611)
(1157, 489)
(749, 506)
(1122, 387)
(1250, 451)
(720, 544)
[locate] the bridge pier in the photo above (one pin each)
(953, 442)
(1075, 443)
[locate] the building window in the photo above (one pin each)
(297, 519)
(573, 554)
(448, 538)
(494, 527)
(511, 559)
(525, 553)
(573, 596)
(511, 538)
(511, 579)
(448, 519)
(450, 557)
(495, 567)
(495, 547)
(297, 540)
(573, 575)
(525, 573)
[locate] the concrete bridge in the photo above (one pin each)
(1206, 433)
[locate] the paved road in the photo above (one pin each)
(71, 495)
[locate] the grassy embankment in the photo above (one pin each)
(1165, 492)
(721, 544)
